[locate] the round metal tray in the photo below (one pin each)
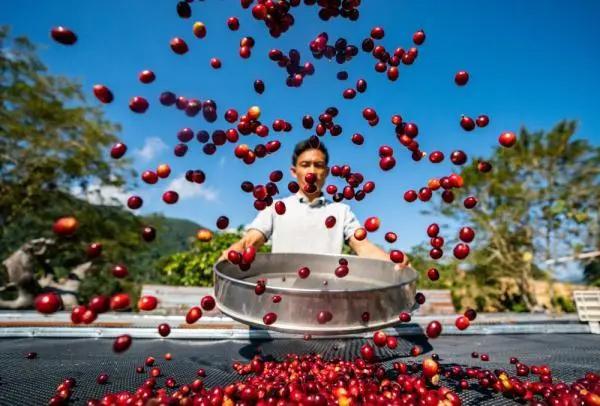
(372, 286)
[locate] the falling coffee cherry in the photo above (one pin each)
(138, 104)
(269, 318)
(122, 343)
(170, 197)
(303, 272)
(103, 94)
(94, 250)
(461, 78)
(149, 233)
(330, 222)
(259, 86)
(164, 329)
(135, 202)
(65, 226)
(193, 315)
(120, 271)
(372, 224)
(147, 76)
(467, 123)
(507, 139)
(434, 329)
(199, 30)
(48, 303)
(461, 251)
(222, 222)
(184, 10)
(118, 150)
(233, 23)
(179, 46)
(207, 303)
(419, 37)
(147, 303)
(63, 35)
(462, 323)
(482, 120)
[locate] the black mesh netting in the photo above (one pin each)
(32, 382)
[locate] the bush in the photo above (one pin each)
(564, 303)
(195, 266)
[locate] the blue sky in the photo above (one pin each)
(531, 63)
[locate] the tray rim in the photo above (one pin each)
(411, 279)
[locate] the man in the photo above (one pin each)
(302, 227)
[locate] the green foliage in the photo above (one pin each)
(194, 267)
(49, 138)
(564, 303)
(591, 273)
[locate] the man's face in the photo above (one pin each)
(311, 161)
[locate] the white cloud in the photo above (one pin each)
(187, 189)
(106, 195)
(152, 147)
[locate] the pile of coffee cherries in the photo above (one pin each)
(311, 379)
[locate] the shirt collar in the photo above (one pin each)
(321, 200)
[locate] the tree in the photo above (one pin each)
(50, 140)
(540, 201)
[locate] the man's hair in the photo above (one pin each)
(305, 146)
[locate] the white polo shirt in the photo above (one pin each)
(302, 227)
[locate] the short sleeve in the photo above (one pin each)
(350, 223)
(263, 222)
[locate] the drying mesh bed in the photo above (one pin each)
(32, 382)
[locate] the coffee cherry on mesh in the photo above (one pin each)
(31, 355)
